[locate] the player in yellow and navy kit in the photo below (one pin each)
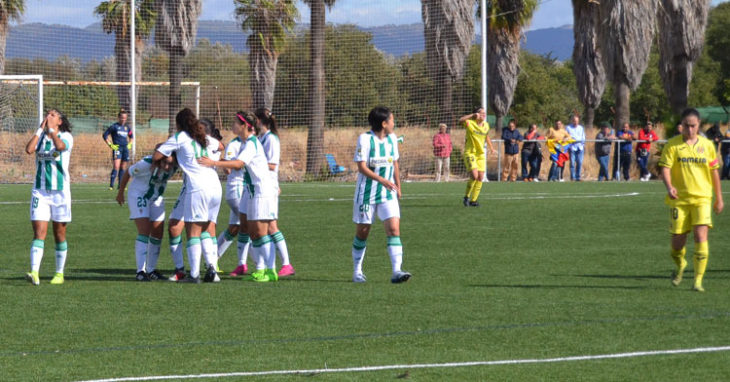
(475, 157)
(51, 195)
(689, 167)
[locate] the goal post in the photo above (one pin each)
(32, 79)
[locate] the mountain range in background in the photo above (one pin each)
(35, 40)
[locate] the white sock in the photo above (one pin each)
(61, 251)
(358, 254)
(177, 252)
(36, 254)
(194, 250)
(153, 253)
(140, 251)
(244, 242)
(259, 251)
(395, 251)
(224, 241)
(270, 254)
(210, 250)
(280, 243)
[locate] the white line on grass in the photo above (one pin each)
(423, 365)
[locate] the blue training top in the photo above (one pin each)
(120, 134)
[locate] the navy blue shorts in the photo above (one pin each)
(122, 153)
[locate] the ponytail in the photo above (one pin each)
(267, 119)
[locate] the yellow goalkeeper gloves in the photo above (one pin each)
(113, 146)
(129, 145)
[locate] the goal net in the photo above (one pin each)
(21, 111)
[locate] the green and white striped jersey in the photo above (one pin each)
(52, 165)
(147, 180)
(379, 156)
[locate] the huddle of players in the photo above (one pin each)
(251, 163)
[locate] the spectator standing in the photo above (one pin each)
(715, 135)
(725, 152)
(558, 134)
(531, 155)
(442, 151)
(577, 149)
(603, 149)
(626, 136)
(512, 138)
(643, 150)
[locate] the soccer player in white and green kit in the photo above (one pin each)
(377, 192)
(51, 194)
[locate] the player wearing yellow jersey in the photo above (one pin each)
(475, 158)
(689, 168)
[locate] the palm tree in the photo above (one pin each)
(315, 138)
(268, 21)
(10, 10)
(681, 37)
(506, 19)
(448, 27)
(587, 62)
(115, 19)
(625, 37)
(177, 25)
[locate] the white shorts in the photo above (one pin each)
(365, 213)
(139, 207)
(244, 202)
(233, 217)
(48, 205)
(178, 209)
(201, 206)
(263, 208)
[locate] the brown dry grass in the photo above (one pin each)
(91, 161)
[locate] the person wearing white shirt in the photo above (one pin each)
(577, 149)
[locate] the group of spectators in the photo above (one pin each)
(529, 157)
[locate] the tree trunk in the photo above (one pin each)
(3, 41)
(499, 123)
(139, 47)
(588, 116)
(315, 139)
(622, 96)
(175, 101)
(7, 122)
(263, 77)
(445, 94)
(121, 52)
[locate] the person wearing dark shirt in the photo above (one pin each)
(511, 137)
(725, 153)
(119, 138)
(715, 135)
(603, 149)
(531, 155)
(625, 147)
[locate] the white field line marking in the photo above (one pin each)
(423, 365)
(407, 197)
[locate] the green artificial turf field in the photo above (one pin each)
(540, 272)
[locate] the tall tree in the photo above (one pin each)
(315, 137)
(506, 19)
(626, 36)
(682, 26)
(176, 27)
(269, 21)
(10, 10)
(115, 19)
(448, 27)
(587, 62)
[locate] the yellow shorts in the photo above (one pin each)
(474, 162)
(683, 217)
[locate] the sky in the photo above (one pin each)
(79, 13)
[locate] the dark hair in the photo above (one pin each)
(121, 111)
(690, 111)
(210, 129)
(187, 122)
(65, 124)
(377, 116)
(267, 119)
(246, 119)
(476, 109)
